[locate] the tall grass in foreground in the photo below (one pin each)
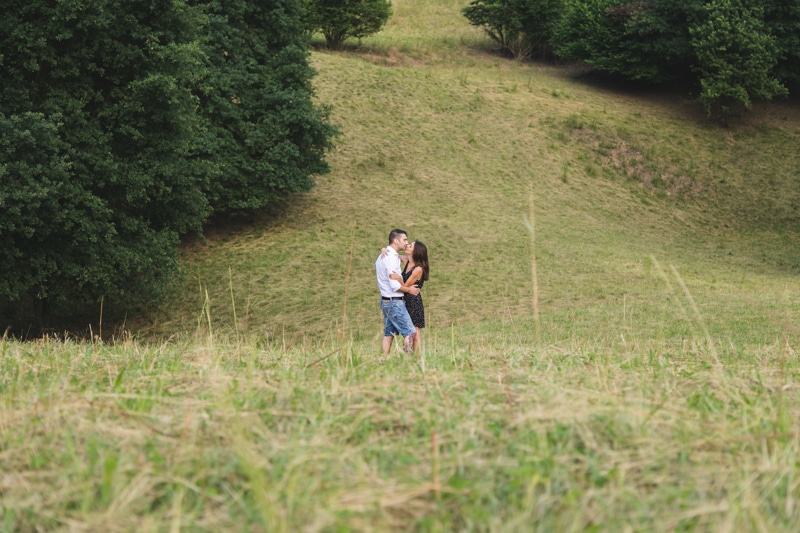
(483, 432)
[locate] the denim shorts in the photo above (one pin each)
(396, 319)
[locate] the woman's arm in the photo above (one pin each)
(416, 274)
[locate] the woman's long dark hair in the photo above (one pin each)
(420, 257)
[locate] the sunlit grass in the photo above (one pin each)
(421, 32)
(484, 431)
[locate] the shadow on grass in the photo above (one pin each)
(289, 210)
(387, 56)
(24, 320)
(681, 97)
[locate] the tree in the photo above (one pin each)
(263, 137)
(339, 20)
(736, 50)
(126, 124)
(782, 19)
(736, 57)
(97, 121)
(647, 41)
(518, 26)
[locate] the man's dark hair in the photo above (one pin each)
(395, 233)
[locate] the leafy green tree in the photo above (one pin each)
(339, 20)
(518, 26)
(501, 21)
(263, 137)
(736, 50)
(639, 40)
(43, 209)
(782, 19)
(97, 123)
(736, 56)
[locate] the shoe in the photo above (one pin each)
(408, 344)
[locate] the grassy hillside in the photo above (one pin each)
(460, 147)
(651, 386)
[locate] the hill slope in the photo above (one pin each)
(461, 148)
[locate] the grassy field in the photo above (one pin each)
(491, 435)
(612, 306)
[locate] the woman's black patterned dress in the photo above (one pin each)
(414, 303)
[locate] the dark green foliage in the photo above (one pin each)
(737, 50)
(105, 160)
(519, 26)
(782, 18)
(339, 20)
(646, 41)
(590, 32)
(660, 30)
(39, 204)
(97, 122)
(262, 135)
(735, 56)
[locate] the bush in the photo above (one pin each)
(736, 50)
(520, 27)
(782, 19)
(339, 20)
(735, 56)
(647, 41)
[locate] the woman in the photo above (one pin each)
(415, 272)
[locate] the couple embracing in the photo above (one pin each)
(400, 278)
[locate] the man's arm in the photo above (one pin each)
(413, 290)
(409, 284)
(393, 283)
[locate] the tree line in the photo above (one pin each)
(737, 51)
(126, 125)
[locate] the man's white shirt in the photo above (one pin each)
(383, 267)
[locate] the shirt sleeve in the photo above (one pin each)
(386, 265)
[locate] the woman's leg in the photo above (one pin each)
(418, 341)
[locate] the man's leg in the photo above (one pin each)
(408, 343)
(389, 330)
(397, 316)
(407, 329)
(387, 343)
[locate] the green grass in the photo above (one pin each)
(650, 386)
(479, 434)
(456, 151)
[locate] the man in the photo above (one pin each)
(395, 316)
